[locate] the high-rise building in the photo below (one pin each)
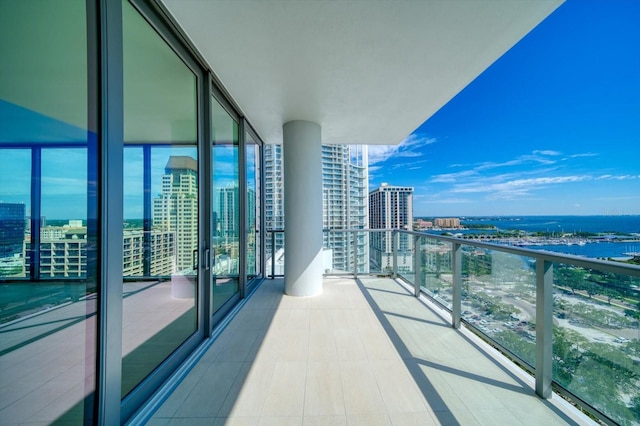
(391, 207)
(162, 248)
(345, 184)
(63, 251)
(273, 194)
(227, 209)
(344, 204)
(176, 208)
(12, 227)
(447, 222)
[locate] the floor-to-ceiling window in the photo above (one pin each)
(60, 138)
(48, 214)
(160, 234)
(226, 206)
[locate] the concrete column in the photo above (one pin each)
(302, 150)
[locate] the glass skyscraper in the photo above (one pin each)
(345, 183)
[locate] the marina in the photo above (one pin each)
(598, 237)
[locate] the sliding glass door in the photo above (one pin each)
(161, 201)
(225, 235)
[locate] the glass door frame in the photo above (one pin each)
(165, 371)
(260, 242)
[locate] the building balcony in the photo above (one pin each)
(366, 352)
(566, 322)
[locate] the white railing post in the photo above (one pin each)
(355, 254)
(395, 240)
(544, 327)
(417, 270)
(456, 282)
(273, 254)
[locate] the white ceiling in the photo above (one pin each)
(368, 71)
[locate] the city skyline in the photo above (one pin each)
(551, 128)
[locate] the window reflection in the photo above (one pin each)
(15, 195)
(160, 235)
(47, 286)
(253, 206)
(226, 209)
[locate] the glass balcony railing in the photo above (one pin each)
(275, 253)
(572, 322)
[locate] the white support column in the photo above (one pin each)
(302, 149)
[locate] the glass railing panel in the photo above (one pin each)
(596, 339)
(405, 256)
(274, 253)
(375, 264)
(499, 298)
(362, 252)
(436, 273)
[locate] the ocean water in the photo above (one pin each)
(593, 250)
(605, 223)
(628, 224)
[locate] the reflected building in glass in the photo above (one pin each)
(12, 238)
(12, 227)
(176, 208)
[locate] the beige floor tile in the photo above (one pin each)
(238, 346)
(421, 418)
(236, 421)
(320, 321)
(322, 346)
(371, 419)
(496, 417)
(323, 391)
(361, 393)
(324, 421)
(192, 421)
(210, 392)
(349, 345)
(280, 421)
(293, 345)
(378, 346)
(158, 421)
(285, 392)
(398, 389)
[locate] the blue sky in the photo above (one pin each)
(552, 127)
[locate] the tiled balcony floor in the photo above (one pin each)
(365, 352)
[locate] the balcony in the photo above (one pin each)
(570, 322)
(364, 352)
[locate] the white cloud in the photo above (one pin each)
(586, 154)
(546, 152)
(508, 189)
(452, 177)
(451, 201)
(619, 177)
(406, 148)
